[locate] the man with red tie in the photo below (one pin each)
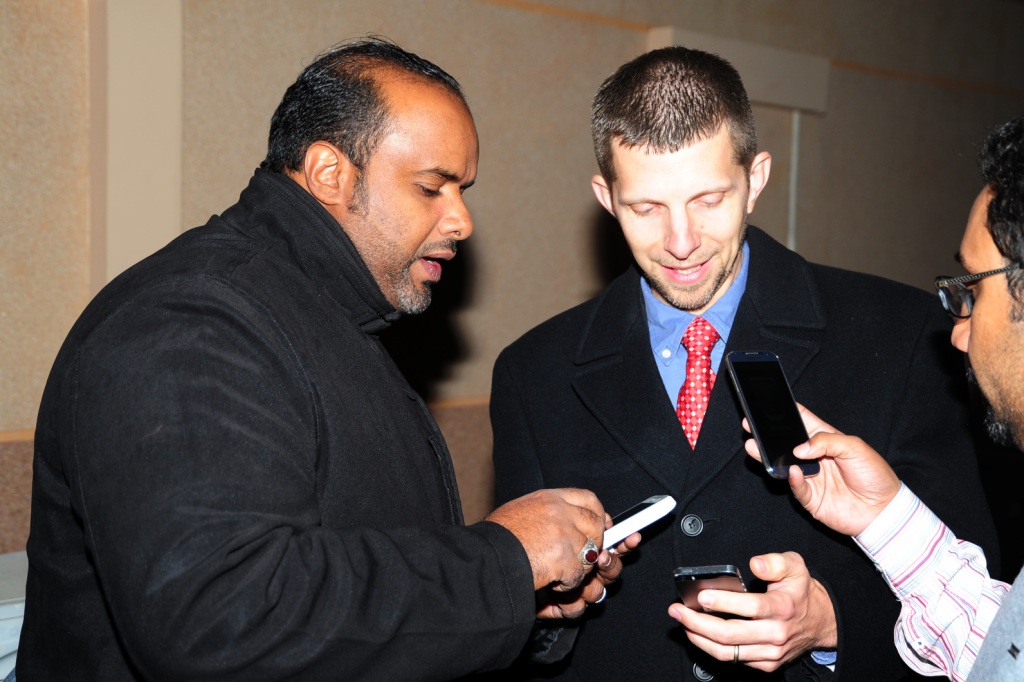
(619, 395)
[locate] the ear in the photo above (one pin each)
(329, 175)
(603, 192)
(760, 169)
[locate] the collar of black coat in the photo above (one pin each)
(283, 210)
(780, 292)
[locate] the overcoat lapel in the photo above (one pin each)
(617, 380)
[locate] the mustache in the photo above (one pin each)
(443, 245)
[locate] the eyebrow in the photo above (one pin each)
(447, 176)
(643, 199)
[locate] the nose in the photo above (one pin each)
(457, 222)
(682, 238)
(961, 335)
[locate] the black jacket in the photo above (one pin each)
(579, 401)
(233, 481)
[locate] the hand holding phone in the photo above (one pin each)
(690, 580)
(771, 410)
(636, 517)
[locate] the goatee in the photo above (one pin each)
(999, 430)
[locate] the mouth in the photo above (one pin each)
(687, 275)
(431, 264)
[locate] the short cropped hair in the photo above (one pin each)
(1002, 166)
(338, 99)
(668, 99)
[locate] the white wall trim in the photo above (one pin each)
(772, 76)
(144, 128)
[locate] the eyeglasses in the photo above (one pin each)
(957, 299)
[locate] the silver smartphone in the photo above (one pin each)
(690, 580)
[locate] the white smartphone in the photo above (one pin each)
(636, 517)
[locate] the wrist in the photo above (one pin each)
(827, 630)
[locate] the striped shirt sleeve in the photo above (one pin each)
(943, 584)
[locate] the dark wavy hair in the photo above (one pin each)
(670, 98)
(338, 99)
(1002, 166)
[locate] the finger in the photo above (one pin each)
(560, 610)
(723, 651)
(574, 574)
(798, 484)
(631, 542)
(741, 604)
(806, 451)
(750, 445)
(594, 591)
(609, 566)
(777, 566)
(590, 524)
(764, 657)
(715, 628)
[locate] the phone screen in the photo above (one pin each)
(771, 411)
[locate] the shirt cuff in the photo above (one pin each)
(826, 658)
(903, 540)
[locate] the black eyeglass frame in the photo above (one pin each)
(955, 287)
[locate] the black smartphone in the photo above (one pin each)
(771, 411)
(692, 579)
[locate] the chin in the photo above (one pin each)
(1003, 430)
(413, 302)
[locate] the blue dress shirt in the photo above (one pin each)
(666, 325)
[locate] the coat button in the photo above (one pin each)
(702, 674)
(692, 525)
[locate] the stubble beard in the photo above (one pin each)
(1000, 428)
(409, 298)
(677, 298)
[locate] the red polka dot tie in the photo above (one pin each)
(698, 340)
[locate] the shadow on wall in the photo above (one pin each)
(426, 346)
(611, 252)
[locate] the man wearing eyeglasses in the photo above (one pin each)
(956, 620)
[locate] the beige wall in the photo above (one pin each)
(885, 174)
(44, 186)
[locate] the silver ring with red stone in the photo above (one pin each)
(588, 555)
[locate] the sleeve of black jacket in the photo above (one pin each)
(191, 463)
